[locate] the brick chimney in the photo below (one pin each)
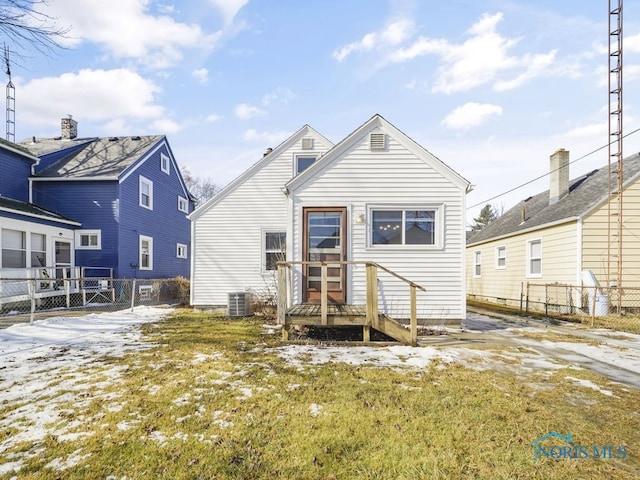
(69, 128)
(559, 175)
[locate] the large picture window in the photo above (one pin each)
(274, 249)
(14, 249)
(403, 227)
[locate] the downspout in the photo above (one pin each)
(579, 256)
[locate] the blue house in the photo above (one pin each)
(127, 195)
(31, 236)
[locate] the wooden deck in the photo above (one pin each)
(329, 314)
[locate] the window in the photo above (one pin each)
(501, 257)
(88, 240)
(534, 254)
(183, 204)
(403, 227)
(38, 250)
(14, 249)
(275, 244)
(303, 162)
(181, 250)
(165, 164)
(146, 253)
(146, 193)
(477, 263)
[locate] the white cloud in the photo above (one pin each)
(84, 94)
(228, 8)
(165, 126)
(281, 95)
(393, 34)
(470, 115)
(214, 117)
(126, 29)
(246, 111)
(272, 138)
(201, 75)
(478, 60)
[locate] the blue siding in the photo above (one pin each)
(165, 223)
(14, 175)
(95, 205)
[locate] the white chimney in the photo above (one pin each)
(69, 128)
(559, 175)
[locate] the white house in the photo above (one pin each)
(376, 196)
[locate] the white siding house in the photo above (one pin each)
(376, 196)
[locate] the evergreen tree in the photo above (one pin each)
(487, 215)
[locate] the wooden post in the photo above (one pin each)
(282, 294)
(323, 294)
(414, 317)
(366, 333)
(372, 295)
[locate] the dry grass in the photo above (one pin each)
(214, 400)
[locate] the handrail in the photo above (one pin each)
(372, 312)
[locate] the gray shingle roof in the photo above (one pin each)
(33, 210)
(585, 193)
(99, 157)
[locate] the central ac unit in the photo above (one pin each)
(238, 304)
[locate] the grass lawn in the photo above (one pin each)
(213, 398)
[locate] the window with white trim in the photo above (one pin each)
(181, 250)
(303, 162)
(477, 263)
(14, 249)
(38, 250)
(146, 193)
(275, 246)
(165, 164)
(88, 239)
(183, 204)
(403, 227)
(501, 257)
(534, 258)
(146, 253)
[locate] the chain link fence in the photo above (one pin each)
(27, 299)
(615, 308)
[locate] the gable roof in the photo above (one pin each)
(99, 158)
(29, 209)
(378, 122)
(256, 167)
(586, 193)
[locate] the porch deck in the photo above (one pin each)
(332, 314)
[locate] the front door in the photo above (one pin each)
(325, 241)
(62, 259)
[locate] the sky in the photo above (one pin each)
(63, 360)
(490, 87)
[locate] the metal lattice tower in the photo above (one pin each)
(615, 210)
(11, 101)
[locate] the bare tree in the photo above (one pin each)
(24, 25)
(201, 189)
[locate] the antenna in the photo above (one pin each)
(11, 101)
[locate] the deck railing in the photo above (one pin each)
(372, 317)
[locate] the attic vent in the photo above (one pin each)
(307, 143)
(135, 138)
(113, 139)
(238, 304)
(376, 141)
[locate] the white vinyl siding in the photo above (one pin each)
(396, 178)
(234, 228)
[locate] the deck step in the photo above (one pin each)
(393, 328)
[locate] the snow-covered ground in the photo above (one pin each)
(34, 354)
